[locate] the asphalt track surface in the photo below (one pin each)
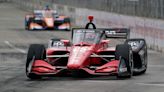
(14, 41)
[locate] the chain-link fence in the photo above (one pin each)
(143, 8)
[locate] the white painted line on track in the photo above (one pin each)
(105, 81)
(17, 49)
(158, 66)
(146, 84)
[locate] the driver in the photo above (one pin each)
(90, 36)
(47, 8)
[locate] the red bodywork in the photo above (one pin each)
(88, 58)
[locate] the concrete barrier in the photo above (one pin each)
(150, 29)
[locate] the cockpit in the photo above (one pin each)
(87, 36)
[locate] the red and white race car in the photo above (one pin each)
(89, 53)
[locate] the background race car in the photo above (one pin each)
(47, 19)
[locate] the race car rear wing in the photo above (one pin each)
(123, 33)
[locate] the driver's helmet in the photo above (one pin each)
(47, 8)
(90, 37)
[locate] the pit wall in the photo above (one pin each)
(150, 29)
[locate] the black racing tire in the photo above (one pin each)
(124, 51)
(28, 24)
(142, 47)
(68, 29)
(35, 52)
(67, 20)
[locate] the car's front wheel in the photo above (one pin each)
(125, 56)
(35, 52)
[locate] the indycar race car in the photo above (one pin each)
(89, 53)
(47, 19)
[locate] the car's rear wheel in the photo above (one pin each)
(35, 52)
(27, 27)
(124, 54)
(139, 48)
(68, 29)
(67, 20)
